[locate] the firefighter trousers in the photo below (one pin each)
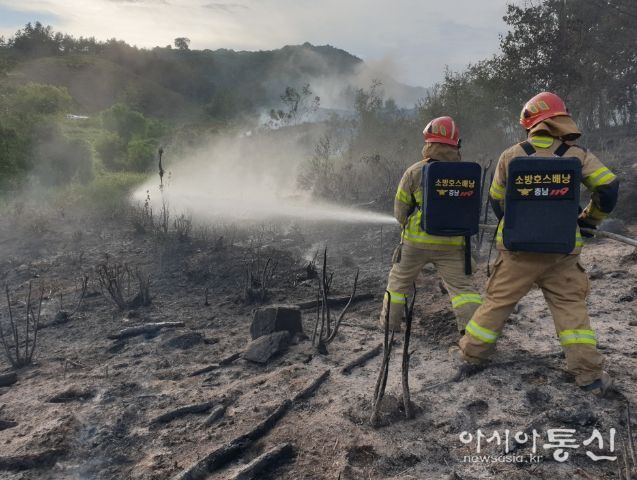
(450, 266)
(565, 286)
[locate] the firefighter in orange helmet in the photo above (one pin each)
(418, 248)
(561, 276)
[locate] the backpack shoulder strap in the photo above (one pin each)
(562, 149)
(528, 148)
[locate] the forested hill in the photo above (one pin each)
(175, 81)
(72, 109)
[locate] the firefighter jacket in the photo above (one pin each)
(598, 179)
(409, 200)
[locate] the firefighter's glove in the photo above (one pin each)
(583, 223)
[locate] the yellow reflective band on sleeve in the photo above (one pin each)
(577, 337)
(595, 213)
(464, 298)
(541, 141)
(601, 176)
(403, 196)
(496, 191)
(483, 334)
(498, 233)
(579, 241)
(399, 298)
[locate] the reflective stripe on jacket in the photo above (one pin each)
(595, 176)
(408, 202)
(413, 233)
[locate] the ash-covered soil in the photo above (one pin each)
(85, 409)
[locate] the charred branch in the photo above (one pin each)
(409, 313)
(206, 369)
(342, 314)
(362, 360)
(18, 347)
(73, 394)
(225, 454)
(143, 330)
(232, 450)
(81, 296)
(337, 301)
(223, 362)
(116, 283)
(217, 414)
(113, 279)
(265, 462)
(381, 382)
(257, 281)
(312, 387)
(63, 316)
(181, 412)
(324, 330)
(35, 460)
(230, 358)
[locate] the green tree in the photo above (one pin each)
(28, 116)
(37, 99)
(35, 40)
(155, 128)
(140, 154)
(225, 105)
(182, 43)
(125, 122)
(298, 106)
(14, 150)
(111, 150)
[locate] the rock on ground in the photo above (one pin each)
(264, 348)
(276, 318)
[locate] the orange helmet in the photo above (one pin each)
(544, 105)
(442, 130)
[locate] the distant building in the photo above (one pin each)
(70, 116)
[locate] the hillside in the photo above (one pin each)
(169, 82)
(96, 83)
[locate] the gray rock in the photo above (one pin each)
(6, 424)
(7, 379)
(595, 273)
(276, 318)
(185, 341)
(264, 348)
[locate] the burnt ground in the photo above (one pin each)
(83, 410)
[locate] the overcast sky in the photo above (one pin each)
(416, 38)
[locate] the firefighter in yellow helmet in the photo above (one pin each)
(560, 276)
(418, 248)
